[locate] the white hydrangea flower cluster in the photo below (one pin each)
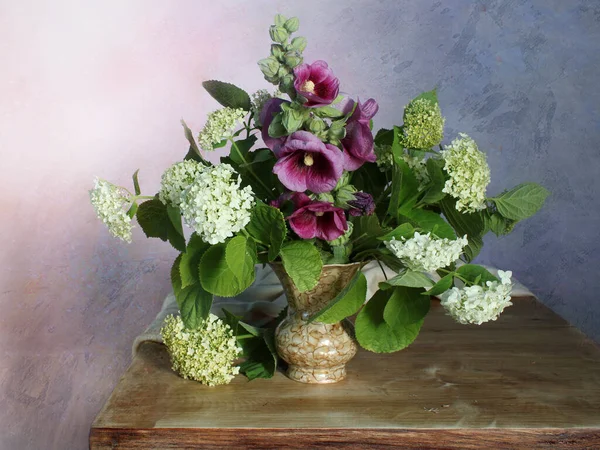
(110, 203)
(215, 205)
(220, 125)
(423, 252)
(259, 98)
(423, 124)
(469, 174)
(478, 304)
(176, 179)
(418, 167)
(207, 354)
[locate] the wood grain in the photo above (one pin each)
(528, 380)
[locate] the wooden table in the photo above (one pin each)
(527, 381)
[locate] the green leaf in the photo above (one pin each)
(406, 231)
(302, 263)
(405, 307)
(346, 303)
(257, 345)
(437, 181)
(194, 152)
(228, 94)
(473, 225)
(405, 187)
(328, 111)
(276, 128)
(132, 210)
(384, 137)
(190, 261)
(152, 217)
(500, 225)
(521, 202)
(174, 214)
(240, 149)
(217, 278)
(175, 275)
(430, 221)
(136, 183)
(375, 334)
(239, 256)
(366, 233)
(267, 227)
(441, 286)
(475, 274)
(194, 303)
(407, 278)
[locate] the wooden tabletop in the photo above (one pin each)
(527, 381)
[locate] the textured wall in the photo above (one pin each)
(98, 89)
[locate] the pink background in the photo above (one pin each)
(98, 89)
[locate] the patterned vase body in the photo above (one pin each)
(315, 352)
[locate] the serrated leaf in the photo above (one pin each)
(407, 278)
(365, 233)
(405, 306)
(176, 276)
(430, 221)
(258, 348)
(238, 257)
(346, 303)
(217, 278)
(302, 263)
(475, 274)
(194, 151)
(136, 183)
(153, 219)
(384, 137)
(375, 334)
(190, 260)
(228, 94)
(405, 187)
(521, 202)
(194, 304)
(174, 214)
(437, 181)
(472, 225)
(405, 230)
(441, 286)
(267, 227)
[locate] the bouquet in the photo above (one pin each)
(325, 188)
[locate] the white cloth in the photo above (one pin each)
(264, 300)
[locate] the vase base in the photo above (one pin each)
(316, 375)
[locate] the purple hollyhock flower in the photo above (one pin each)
(319, 219)
(270, 109)
(305, 162)
(363, 205)
(317, 83)
(358, 143)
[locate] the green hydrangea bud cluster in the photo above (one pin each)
(423, 124)
(207, 354)
(285, 54)
(385, 157)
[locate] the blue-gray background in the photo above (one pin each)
(99, 88)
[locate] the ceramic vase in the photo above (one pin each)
(315, 352)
